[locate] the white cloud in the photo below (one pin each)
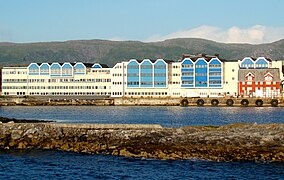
(254, 35)
(117, 39)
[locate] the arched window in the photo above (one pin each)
(268, 77)
(79, 68)
(55, 69)
(261, 63)
(201, 70)
(187, 73)
(133, 73)
(160, 73)
(33, 69)
(44, 69)
(247, 63)
(249, 77)
(67, 69)
(215, 73)
(187, 63)
(146, 73)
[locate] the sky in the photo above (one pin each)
(228, 21)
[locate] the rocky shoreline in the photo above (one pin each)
(237, 142)
(13, 120)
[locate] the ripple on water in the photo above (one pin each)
(42, 164)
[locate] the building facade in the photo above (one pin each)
(193, 76)
(57, 79)
(257, 78)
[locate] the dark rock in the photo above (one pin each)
(13, 120)
(240, 142)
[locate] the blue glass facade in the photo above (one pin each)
(247, 63)
(201, 74)
(261, 63)
(33, 69)
(215, 73)
(160, 74)
(44, 69)
(146, 73)
(67, 70)
(201, 70)
(62, 70)
(133, 74)
(79, 68)
(187, 73)
(55, 69)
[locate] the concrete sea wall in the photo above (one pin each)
(147, 101)
(239, 142)
(62, 101)
(140, 101)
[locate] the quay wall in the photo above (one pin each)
(238, 142)
(136, 101)
(139, 101)
(72, 101)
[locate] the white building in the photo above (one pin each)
(57, 79)
(193, 76)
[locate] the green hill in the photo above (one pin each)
(111, 52)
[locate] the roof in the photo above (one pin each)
(153, 61)
(104, 66)
(204, 56)
(88, 65)
(259, 74)
(254, 59)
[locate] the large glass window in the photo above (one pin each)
(201, 72)
(133, 74)
(33, 69)
(160, 73)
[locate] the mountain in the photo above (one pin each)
(111, 52)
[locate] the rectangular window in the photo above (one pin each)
(214, 65)
(187, 74)
(160, 66)
(187, 66)
(146, 66)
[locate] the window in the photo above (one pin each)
(268, 78)
(146, 66)
(201, 66)
(187, 74)
(187, 66)
(215, 65)
(249, 77)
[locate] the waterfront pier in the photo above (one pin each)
(146, 101)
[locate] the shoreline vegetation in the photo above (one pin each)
(235, 142)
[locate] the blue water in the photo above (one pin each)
(45, 164)
(166, 116)
(49, 164)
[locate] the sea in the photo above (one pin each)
(52, 164)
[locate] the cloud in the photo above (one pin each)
(117, 39)
(254, 35)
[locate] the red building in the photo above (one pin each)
(259, 82)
